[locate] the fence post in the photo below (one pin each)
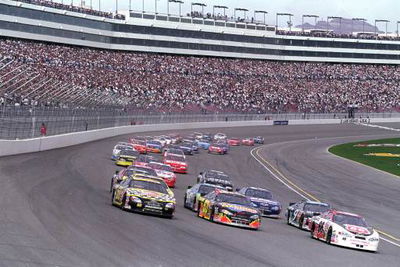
(33, 126)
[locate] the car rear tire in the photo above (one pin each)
(329, 236)
(288, 218)
(301, 222)
(184, 202)
(312, 230)
(112, 197)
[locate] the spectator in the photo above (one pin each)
(43, 129)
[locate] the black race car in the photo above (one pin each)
(216, 178)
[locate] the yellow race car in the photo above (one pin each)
(144, 195)
(127, 157)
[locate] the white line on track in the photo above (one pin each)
(296, 191)
(379, 126)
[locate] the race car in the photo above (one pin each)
(229, 208)
(216, 148)
(344, 229)
(247, 142)
(123, 174)
(126, 157)
(164, 140)
(194, 192)
(233, 141)
(117, 149)
(216, 178)
(187, 149)
(203, 143)
(139, 145)
(220, 136)
(143, 195)
(178, 164)
(258, 140)
(164, 171)
(192, 144)
(175, 138)
(298, 214)
(173, 151)
(144, 160)
(154, 146)
(263, 200)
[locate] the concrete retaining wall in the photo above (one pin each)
(14, 147)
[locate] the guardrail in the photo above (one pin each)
(25, 122)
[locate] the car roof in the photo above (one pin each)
(316, 203)
(258, 188)
(336, 212)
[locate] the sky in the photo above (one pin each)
(369, 9)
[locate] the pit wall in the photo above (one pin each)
(15, 147)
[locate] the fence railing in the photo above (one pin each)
(24, 122)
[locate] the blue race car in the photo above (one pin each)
(203, 143)
(263, 200)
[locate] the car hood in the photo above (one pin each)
(358, 230)
(237, 208)
(264, 201)
(150, 195)
(164, 173)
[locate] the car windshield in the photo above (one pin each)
(149, 171)
(258, 193)
(187, 144)
(161, 167)
(205, 189)
(316, 207)
(148, 185)
(175, 151)
(349, 219)
(154, 143)
(217, 175)
(233, 199)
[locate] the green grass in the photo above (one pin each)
(387, 164)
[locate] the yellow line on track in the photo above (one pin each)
(283, 177)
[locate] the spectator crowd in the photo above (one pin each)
(158, 82)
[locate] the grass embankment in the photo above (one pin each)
(358, 153)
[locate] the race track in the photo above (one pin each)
(55, 207)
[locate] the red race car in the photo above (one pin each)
(234, 141)
(139, 146)
(144, 160)
(248, 141)
(165, 172)
(216, 148)
(178, 164)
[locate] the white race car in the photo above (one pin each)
(117, 149)
(220, 136)
(344, 229)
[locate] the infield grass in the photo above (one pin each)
(387, 164)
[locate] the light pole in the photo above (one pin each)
(116, 7)
(174, 1)
(283, 14)
(397, 31)
(308, 16)
(240, 9)
(202, 5)
(261, 12)
(220, 7)
(381, 20)
(333, 17)
(358, 19)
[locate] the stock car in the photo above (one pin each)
(187, 150)
(344, 229)
(216, 178)
(229, 208)
(178, 164)
(203, 143)
(192, 144)
(220, 136)
(126, 157)
(175, 138)
(298, 214)
(248, 142)
(117, 149)
(233, 141)
(139, 145)
(263, 200)
(194, 192)
(124, 174)
(165, 172)
(154, 146)
(217, 149)
(145, 196)
(258, 140)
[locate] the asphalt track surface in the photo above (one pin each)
(55, 207)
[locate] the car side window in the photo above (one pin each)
(300, 206)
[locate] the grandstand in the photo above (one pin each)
(64, 56)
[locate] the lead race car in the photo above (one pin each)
(143, 195)
(298, 214)
(344, 229)
(229, 208)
